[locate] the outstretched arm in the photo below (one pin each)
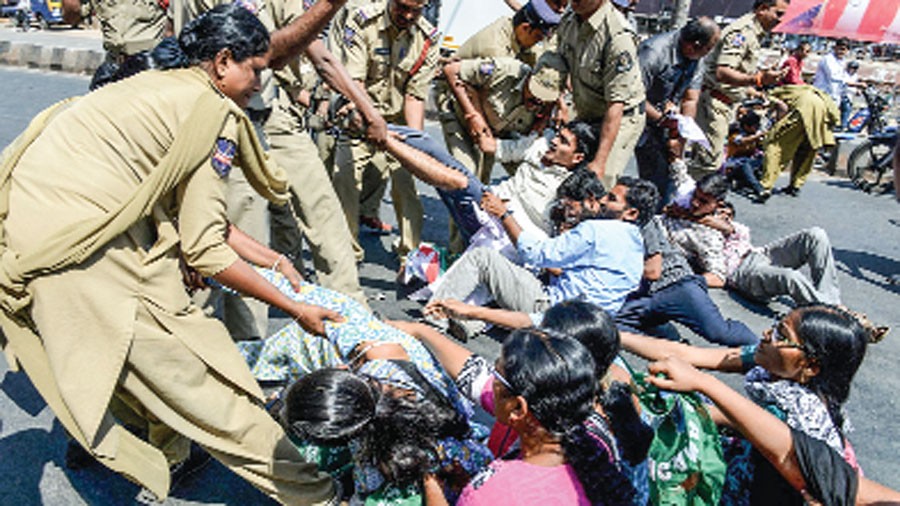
(287, 43)
(453, 308)
(768, 434)
(651, 348)
(337, 77)
(243, 278)
(451, 355)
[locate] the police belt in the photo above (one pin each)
(718, 95)
(639, 108)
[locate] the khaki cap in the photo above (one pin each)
(546, 80)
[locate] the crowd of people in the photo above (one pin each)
(217, 141)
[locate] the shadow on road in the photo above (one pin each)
(869, 267)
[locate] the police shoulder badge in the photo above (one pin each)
(222, 156)
(486, 68)
(624, 62)
(737, 39)
(349, 35)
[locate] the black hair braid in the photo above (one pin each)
(602, 481)
(632, 434)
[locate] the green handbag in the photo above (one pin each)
(685, 461)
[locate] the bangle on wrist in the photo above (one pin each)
(277, 261)
(506, 214)
(758, 79)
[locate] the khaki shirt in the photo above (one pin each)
(739, 48)
(129, 27)
(498, 83)
(299, 74)
(497, 39)
(601, 55)
(111, 156)
(379, 55)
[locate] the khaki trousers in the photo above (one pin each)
(179, 389)
(786, 143)
(316, 212)
(713, 117)
(352, 159)
(623, 147)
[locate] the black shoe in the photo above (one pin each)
(761, 198)
(793, 191)
(77, 457)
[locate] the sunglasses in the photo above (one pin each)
(780, 340)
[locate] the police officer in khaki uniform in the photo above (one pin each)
(513, 37)
(731, 68)
(94, 303)
(247, 318)
(392, 51)
(497, 98)
(315, 204)
(128, 28)
(600, 50)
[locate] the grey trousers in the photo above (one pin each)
(512, 287)
(773, 271)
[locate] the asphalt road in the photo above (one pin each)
(864, 229)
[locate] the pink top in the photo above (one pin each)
(518, 483)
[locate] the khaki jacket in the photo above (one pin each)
(106, 191)
(817, 110)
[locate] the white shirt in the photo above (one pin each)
(831, 76)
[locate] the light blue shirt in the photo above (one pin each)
(602, 261)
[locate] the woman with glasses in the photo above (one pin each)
(800, 371)
(543, 387)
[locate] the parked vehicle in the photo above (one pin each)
(46, 12)
(871, 161)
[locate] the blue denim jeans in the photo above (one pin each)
(460, 203)
(687, 302)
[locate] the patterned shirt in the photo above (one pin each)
(703, 246)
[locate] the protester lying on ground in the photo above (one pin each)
(399, 430)
(543, 387)
(598, 252)
(99, 254)
(371, 349)
(670, 291)
(530, 191)
(721, 251)
(817, 473)
(801, 371)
